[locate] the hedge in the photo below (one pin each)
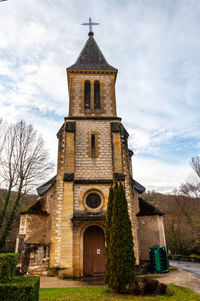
(8, 262)
(20, 289)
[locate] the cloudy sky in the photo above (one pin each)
(154, 44)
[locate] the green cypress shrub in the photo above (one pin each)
(8, 263)
(107, 233)
(122, 260)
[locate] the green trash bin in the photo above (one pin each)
(158, 259)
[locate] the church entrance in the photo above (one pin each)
(93, 251)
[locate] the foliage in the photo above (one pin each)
(20, 289)
(122, 261)
(107, 233)
(23, 163)
(8, 263)
(175, 293)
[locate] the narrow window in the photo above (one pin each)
(45, 251)
(97, 104)
(93, 150)
(87, 94)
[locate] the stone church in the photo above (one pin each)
(62, 232)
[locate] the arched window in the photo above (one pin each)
(87, 94)
(97, 104)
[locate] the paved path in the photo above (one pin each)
(192, 267)
(177, 277)
(182, 278)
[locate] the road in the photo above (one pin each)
(191, 267)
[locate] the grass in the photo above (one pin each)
(176, 293)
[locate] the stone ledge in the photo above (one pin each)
(102, 118)
(95, 181)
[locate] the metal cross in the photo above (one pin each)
(90, 23)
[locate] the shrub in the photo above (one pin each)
(20, 289)
(162, 289)
(122, 260)
(150, 286)
(136, 289)
(8, 263)
(108, 226)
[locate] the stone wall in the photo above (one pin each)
(151, 232)
(58, 203)
(87, 167)
(38, 260)
(132, 200)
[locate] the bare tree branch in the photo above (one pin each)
(24, 163)
(192, 185)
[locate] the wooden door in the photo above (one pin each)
(93, 251)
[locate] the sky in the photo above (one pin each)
(154, 44)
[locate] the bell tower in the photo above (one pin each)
(91, 83)
(92, 153)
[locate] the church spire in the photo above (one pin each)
(91, 56)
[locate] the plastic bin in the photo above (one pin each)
(158, 259)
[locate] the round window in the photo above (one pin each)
(93, 200)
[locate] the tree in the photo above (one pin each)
(24, 163)
(108, 233)
(122, 260)
(192, 186)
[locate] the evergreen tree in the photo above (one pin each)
(122, 260)
(107, 233)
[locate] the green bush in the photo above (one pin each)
(8, 263)
(20, 289)
(108, 226)
(122, 260)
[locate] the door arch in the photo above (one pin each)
(93, 251)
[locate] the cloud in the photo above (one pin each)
(158, 175)
(154, 44)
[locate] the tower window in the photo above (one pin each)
(87, 94)
(97, 104)
(93, 146)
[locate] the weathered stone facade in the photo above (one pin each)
(92, 154)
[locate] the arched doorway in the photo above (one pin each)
(93, 251)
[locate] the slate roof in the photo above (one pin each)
(36, 207)
(46, 186)
(147, 209)
(137, 186)
(91, 57)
